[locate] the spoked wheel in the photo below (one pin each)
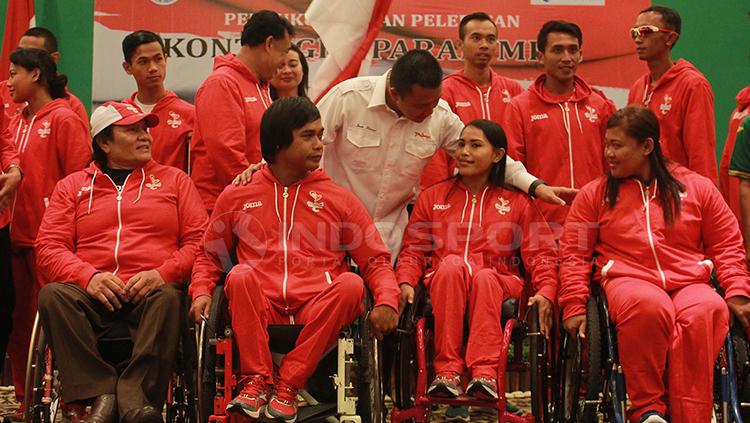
(369, 385)
(581, 371)
(207, 369)
(742, 369)
(539, 363)
(183, 405)
(406, 360)
(42, 383)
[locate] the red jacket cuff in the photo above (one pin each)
(574, 310)
(549, 292)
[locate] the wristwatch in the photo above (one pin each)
(11, 166)
(533, 186)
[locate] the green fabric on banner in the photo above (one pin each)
(3, 12)
(72, 21)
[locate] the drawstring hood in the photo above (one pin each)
(91, 190)
(140, 188)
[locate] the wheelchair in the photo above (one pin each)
(45, 394)
(346, 386)
(592, 383)
(414, 370)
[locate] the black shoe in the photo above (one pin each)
(103, 410)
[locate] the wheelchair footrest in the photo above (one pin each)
(310, 412)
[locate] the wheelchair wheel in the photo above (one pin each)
(539, 364)
(406, 357)
(369, 385)
(581, 371)
(183, 405)
(207, 369)
(742, 369)
(42, 383)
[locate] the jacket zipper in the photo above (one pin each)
(285, 195)
(651, 239)
(570, 146)
(119, 220)
(487, 103)
(468, 233)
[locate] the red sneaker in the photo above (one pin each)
(283, 403)
(253, 397)
(446, 385)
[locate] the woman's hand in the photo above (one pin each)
(407, 296)
(576, 324)
(545, 313)
(247, 175)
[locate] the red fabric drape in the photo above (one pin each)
(17, 20)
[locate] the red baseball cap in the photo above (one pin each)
(121, 114)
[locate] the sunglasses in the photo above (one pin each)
(643, 30)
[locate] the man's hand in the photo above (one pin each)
(141, 284)
(740, 308)
(200, 308)
(247, 175)
(576, 324)
(383, 320)
(407, 296)
(545, 313)
(108, 289)
(9, 182)
(555, 195)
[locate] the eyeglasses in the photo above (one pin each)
(643, 30)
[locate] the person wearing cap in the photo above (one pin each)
(52, 142)
(117, 242)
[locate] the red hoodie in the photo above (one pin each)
(560, 139)
(172, 135)
(155, 223)
(297, 236)
(632, 241)
(228, 109)
(12, 108)
(683, 102)
(52, 144)
(469, 101)
(8, 156)
(730, 187)
(484, 229)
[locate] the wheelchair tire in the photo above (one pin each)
(39, 411)
(569, 379)
(184, 408)
(539, 363)
(592, 362)
(207, 376)
(369, 385)
(742, 369)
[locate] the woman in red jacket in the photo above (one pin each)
(463, 236)
(52, 142)
(654, 231)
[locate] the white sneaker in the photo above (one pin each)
(654, 418)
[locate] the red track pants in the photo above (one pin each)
(27, 284)
(452, 287)
(685, 328)
(322, 317)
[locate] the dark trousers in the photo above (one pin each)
(7, 292)
(74, 321)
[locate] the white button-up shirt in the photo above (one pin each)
(380, 156)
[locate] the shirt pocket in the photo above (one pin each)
(362, 138)
(420, 148)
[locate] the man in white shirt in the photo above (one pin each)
(381, 131)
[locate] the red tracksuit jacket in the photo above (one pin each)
(469, 101)
(560, 139)
(228, 109)
(684, 103)
(297, 236)
(632, 241)
(12, 109)
(486, 229)
(156, 222)
(51, 144)
(176, 117)
(8, 156)
(730, 187)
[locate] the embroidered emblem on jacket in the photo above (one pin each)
(441, 206)
(154, 184)
(422, 135)
(85, 188)
(132, 108)
(463, 104)
(316, 204)
(591, 114)
(506, 96)
(502, 205)
(667, 105)
(175, 120)
(251, 99)
(252, 205)
(45, 130)
(539, 117)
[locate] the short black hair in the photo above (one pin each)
(284, 116)
(476, 16)
(263, 24)
(558, 26)
(131, 42)
(416, 67)
(98, 156)
(36, 58)
(670, 17)
(50, 41)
